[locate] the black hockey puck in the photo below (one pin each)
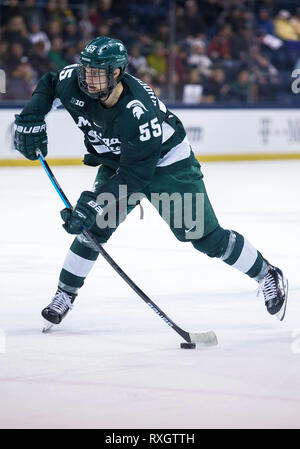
(187, 345)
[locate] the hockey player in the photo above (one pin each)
(138, 144)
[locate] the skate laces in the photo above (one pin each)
(268, 286)
(61, 302)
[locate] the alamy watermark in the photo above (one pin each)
(2, 81)
(296, 83)
(180, 211)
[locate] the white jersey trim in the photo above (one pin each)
(178, 153)
(167, 131)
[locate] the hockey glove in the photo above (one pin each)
(30, 134)
(83, 216)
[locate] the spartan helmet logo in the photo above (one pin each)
(137, 108)
(91, 48)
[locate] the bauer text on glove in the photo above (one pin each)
(30, 135)
(84, 214)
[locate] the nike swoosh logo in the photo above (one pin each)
(188, 230)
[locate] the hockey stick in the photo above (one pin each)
(208, 338)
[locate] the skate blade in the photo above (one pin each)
(281, 314)
(47, 326)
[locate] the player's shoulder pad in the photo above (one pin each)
(67, 88)
(142, 92)
(68, 74)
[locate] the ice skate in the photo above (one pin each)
(275, 289)
(57, 309)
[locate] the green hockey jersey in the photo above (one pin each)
(134, 137)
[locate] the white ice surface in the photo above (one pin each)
(113, 363)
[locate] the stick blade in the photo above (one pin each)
(208, 338)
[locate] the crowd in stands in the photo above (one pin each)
(222, 51)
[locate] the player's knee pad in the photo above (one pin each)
(213, 244)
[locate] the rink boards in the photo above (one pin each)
(214, 134)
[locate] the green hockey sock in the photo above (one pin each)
(79, 261)
(242, 255)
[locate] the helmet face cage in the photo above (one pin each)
(104, 86)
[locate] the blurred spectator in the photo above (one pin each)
(189, 41)
(10, 9)
(56, 53)
(39, 60)
(198, 59)
(71, 55)
(180, 22)
(192, 91)
(136, 61)
(161, 85)
(269, 5)
(31, 12)
(178, 86)
(148, 13)
(162, 33)
(239, 45)
(64, 11)
(16, 52)
(21, 82)
(4, 53)
(246, 18)
(108, 16)
(157, 58)
(52, 12)
(54, 29)
(94, 16)
(284, 28)
(265, 75)
(216, 88)
(180, 64)
(262, 64)
(127, 34)
(103, 30)
(88, 22)
(264, 23)
(193, 20)
(36, 34)
(239, 89)
(16, 31)
(211, 10)
(146, 43)
(295, 22)
(234, 18)
(219, 47)
(71, 34)
(129, 30)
